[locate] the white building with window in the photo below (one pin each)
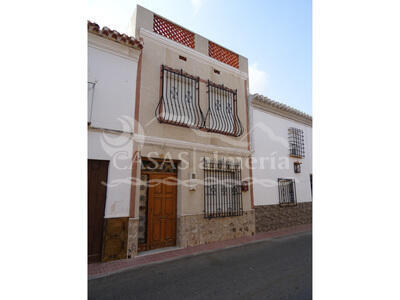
(281, 141)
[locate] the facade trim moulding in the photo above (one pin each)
(190, 52)
(159, 141)
(267, 105)
(152, 140)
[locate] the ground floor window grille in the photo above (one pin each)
(222, 188)
(287, 191)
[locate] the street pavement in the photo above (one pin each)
(280, 268)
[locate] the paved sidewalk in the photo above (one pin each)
(98, 270)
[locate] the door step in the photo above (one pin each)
(159, 250)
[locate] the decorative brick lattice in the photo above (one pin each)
(173, 32)
(223, 55)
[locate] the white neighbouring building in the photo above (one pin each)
(281, 140)
(112, 79)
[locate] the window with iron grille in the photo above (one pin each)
(296, 142)
(222, 188)
(222, 114)
(179, 101)
(287, 191)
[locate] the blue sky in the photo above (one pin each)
(275, 35)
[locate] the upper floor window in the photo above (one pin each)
(179, 102)
(296, 142)
(222, 113)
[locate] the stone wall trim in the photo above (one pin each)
(273, 217)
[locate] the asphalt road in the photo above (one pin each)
(277, 269)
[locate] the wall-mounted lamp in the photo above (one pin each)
(245, 186)
(297, 167)
(192, 182)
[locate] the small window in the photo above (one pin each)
(222, 188)
(296, 142)
(287, 191)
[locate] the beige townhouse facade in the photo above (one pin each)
(191, 128)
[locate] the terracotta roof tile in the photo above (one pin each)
(114, 35)
(281, 106)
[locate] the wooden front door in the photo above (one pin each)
(161, 226)
(97, 176)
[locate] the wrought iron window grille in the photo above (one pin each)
(179, 104)
(287, 192)
(179, 101)
(222, 188)
(222, 114)
(296, 142)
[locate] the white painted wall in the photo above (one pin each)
(115, 88)
(118, 150)
(113, 68)
(270, 141)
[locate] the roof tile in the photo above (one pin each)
(281, 106)
(114, 35)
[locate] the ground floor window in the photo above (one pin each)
(287, 191)
(222, 188)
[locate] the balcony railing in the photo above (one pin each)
(179, 104)
(222, 114)
(179, 101)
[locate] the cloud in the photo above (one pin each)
(258, 80)
(197, 4)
